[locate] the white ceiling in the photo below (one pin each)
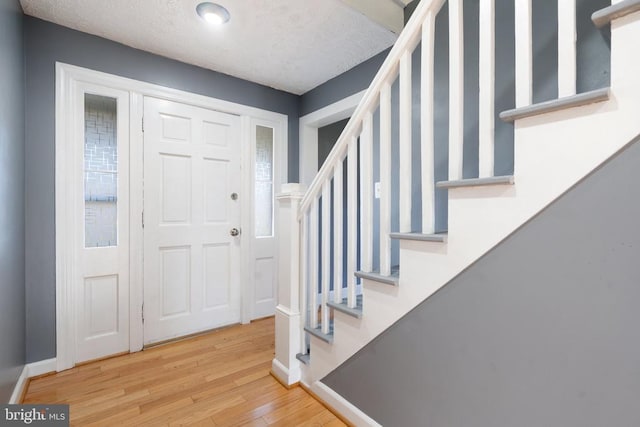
(293, 45)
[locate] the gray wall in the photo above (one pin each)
(346, 84)
(593, 52)
(47, 43)
(12, 315)
(327, 137)
(541, 331)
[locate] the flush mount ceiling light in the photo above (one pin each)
(213, 13)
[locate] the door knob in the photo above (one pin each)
(234, 232)
(234, 196)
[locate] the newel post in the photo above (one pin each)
(285, 366)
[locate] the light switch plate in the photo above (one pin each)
(376, 190)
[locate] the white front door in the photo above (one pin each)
(191, 205)
(102, 248)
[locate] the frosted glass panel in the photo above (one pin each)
(264, 181)
(100, 171)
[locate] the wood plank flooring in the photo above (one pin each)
(217, 379)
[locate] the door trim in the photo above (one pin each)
(309, 125)
(66, 220)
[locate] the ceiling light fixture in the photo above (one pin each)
(213, 13)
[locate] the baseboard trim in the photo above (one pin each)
(21, 386)
(340, 406)
(282, 383)
(43, 367)
(287, 377)
(31, 370)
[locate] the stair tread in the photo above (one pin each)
(344, 307)
(477, 182)
(304, 358)
(604, 16)
(317, 332)
(578, 100)
(392, 280)
(435, 237)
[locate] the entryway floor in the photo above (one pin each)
(217, 379)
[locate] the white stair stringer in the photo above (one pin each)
(553, 152)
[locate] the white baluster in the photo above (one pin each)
(313, 261)
(352, 218)
(427, 124)
(487, 88)
(338, 215)
(304, 278)
(524, 56)
(456, 88)
(326, 255)
(566, 48)
(366, 194)
(405, 142)
(385, 179)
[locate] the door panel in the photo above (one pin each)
(264, 246)
(216, 187)
(101, 305)
(217, 276)
(175, 280)
(175, 192)
(191, 262)
(102, 308)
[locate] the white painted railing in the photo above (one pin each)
(324, 259)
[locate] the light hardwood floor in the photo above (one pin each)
(218, 379)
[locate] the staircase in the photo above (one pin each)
(339, 286)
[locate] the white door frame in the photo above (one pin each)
(66, 216)
(309, 125)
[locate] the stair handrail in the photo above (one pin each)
(408, 39)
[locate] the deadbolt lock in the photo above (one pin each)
(234, 196)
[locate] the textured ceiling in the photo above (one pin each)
(293, 45)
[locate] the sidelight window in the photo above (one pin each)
(264, 182)
(100, 171)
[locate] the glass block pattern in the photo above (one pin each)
(264, 182)
(101, 171)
